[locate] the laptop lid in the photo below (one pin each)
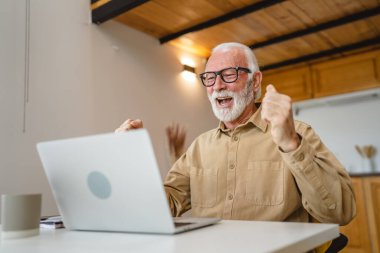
(108, 182)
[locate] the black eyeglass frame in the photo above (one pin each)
(219, 73)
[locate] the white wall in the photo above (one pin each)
(84, 79)
(344, 125)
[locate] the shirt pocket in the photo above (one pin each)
(265, 183)
(203, 186)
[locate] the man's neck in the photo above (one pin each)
(246, 114)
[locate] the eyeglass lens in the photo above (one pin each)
(228, 75)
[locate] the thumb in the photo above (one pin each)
(271, 88)
(137, 123)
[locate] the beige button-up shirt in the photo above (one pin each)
(241, 174)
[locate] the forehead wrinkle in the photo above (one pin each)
(226, 58)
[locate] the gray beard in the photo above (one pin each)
(241, 100)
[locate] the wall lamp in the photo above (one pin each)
(189, 69)
(188, 73)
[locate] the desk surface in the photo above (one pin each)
(226, 236)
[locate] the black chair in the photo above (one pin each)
(337, 244)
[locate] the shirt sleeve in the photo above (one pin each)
(177, 187)
(324, 184)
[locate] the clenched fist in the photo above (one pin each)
(277, 111)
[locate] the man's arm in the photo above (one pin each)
(177, 187)
(325, 185)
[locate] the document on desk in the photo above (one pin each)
(51, 222)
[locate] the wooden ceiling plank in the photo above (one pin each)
(319, 27)
(237, 29)
(270, 55)
(329, 52)
(162, 16)
(225, 6)
(193, 49)
(142, 24)
(351, 33)
(374, 22)
(270, 23)
(258, 26)
(285, 16)
(299, 13)
(315, 43)
(345, 7)
(193, 11)
(113, 8)
(369, 3)
(221, 19)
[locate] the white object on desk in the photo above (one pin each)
(20, 215)
(95, 180)
(226, 237)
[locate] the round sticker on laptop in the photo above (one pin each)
(99, 185)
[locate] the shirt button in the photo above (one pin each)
(236, 138)
(230, 197)
(300, 157)
(232, 166)
(332, 207)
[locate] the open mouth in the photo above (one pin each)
(224, 101)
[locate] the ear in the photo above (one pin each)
(257, 78)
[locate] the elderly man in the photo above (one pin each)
(258, 164)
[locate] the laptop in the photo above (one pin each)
(111, 182)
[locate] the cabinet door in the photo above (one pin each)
(348, 74)
(372, 190)
(357, 231)
(296, 83)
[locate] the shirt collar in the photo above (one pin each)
(255, 119)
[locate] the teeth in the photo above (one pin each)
(223, 98)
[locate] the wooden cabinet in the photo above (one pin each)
(296, 83)
(357, 231)
(348, 74)
(364, 231)
(372, 189)
(343, 75)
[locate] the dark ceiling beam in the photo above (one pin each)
(330, 24)
(224, 18)
(113, 9)
(94, 1)
(324, 53)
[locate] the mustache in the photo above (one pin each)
(223, 93)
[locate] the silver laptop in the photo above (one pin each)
(111, 182)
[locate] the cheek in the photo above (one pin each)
(238, 86)
(209, 91)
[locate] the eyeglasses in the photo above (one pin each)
(228, 75)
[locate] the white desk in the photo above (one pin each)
(227, 236)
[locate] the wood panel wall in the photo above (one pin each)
(348, 74)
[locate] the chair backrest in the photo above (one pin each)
(333, 246)
(337, 244)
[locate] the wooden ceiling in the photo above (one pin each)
(281, 32)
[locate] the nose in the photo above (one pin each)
(219, 84)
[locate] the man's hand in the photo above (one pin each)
(176, 139)
(130, 124)
(277, 111)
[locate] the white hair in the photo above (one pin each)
(250, 57)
